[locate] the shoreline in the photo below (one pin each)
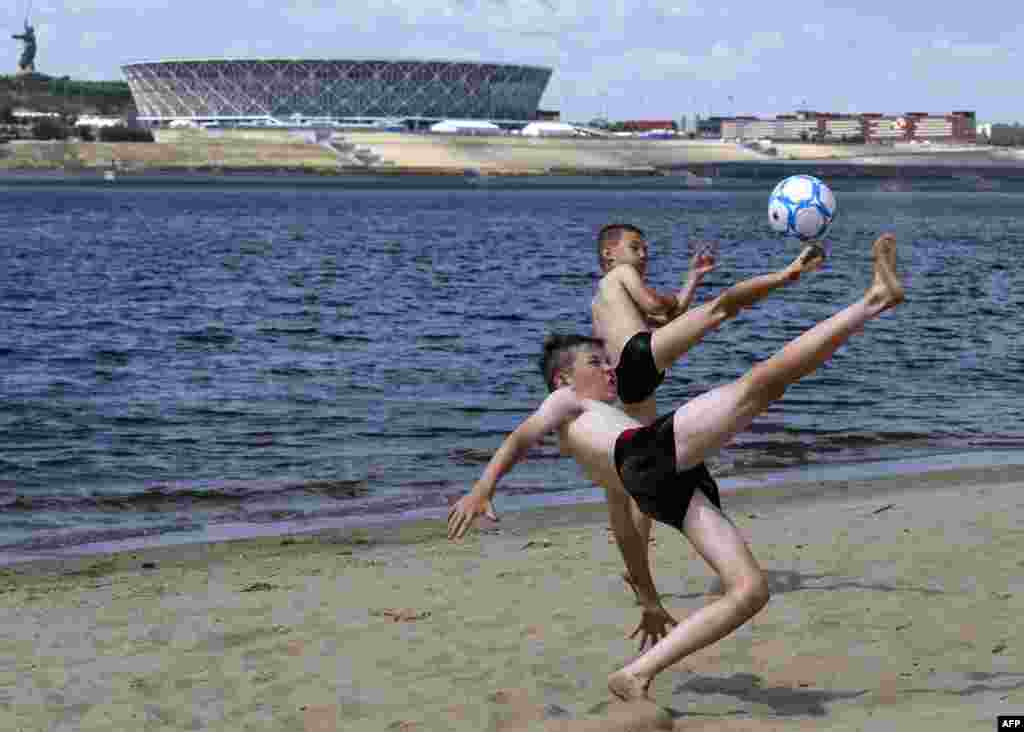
(194, 155)
(895, 606)
(739, 493)
(709, 178)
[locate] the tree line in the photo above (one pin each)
(56, 128)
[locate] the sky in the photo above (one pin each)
(619, 59)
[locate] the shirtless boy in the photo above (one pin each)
(624, 308)
(652, 464)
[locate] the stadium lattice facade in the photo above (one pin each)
(283, 90)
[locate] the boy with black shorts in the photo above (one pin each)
(644, 331)
(652, 464)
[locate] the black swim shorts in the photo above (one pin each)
(636, 376)
(645, 458)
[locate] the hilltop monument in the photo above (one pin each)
(27, 62)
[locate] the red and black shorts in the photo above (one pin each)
(645, 458)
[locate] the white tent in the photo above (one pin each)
(95, 120)
(549, 129)
(466, 127)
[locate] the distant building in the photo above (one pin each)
(648, 125)
(548, 129)
(466, 127)
(954, 127)
(710, 126)
(1006, 135)
(96, 121)
(236, 91)
(29, 115)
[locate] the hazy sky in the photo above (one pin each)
(625, 59)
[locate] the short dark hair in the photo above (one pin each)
(558, 352)
(611, 234)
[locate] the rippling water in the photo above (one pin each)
(176, 358)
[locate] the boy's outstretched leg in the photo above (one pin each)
(705, 424)
(806, 353)
(745, 591)
(708, 422)
(671, 341)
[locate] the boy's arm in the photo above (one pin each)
(685, 296)
(631, 545)
(648, 300)
(700, 264)
(655, 621)
(556, 410)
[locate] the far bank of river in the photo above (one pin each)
(197, 157)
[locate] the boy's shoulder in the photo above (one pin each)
(566, 398)
(618, 273)
(563, 394)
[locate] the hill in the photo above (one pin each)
(43, 93)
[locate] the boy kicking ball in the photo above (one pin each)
(644, 332)
(652, 465)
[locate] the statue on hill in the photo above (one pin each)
(27, 65)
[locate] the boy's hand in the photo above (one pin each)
(465, 512)
(654, 625)
(702, 261)
(656, 320)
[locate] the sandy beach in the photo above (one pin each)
(896, 606)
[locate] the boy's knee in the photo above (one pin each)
(722, 308)
(761, 387)
(752, 593)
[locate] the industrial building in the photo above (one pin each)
(952, 127)
(1003, 135)
(648, 125)
(333, 91)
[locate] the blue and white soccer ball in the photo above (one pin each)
(801, 206)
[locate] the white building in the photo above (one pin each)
(97, 121)
(466, 127)
(25, 115)
(549, 129)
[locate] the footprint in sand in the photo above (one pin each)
(518, 714)
(401, 615)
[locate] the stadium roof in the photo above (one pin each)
(367, 59)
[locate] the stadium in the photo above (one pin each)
(270, 92)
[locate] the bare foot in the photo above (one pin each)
(886, 290)
(810, 259)
(628, 687)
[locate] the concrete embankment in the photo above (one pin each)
(330, 153)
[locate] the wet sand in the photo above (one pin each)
(896, 605)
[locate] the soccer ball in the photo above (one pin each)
(801, 206)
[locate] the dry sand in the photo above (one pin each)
(896, 606)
